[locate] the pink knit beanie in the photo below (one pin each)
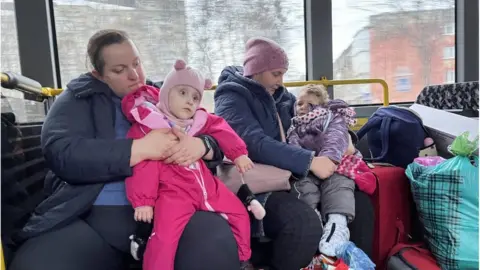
(184, 75)
(181, 75)
(262, 54)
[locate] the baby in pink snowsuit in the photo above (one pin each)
(169, 193)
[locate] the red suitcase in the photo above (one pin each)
(393, 203)
(411, 256)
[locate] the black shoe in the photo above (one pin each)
(138, 241)
(137, 247)
(246, 265)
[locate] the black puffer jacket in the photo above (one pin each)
(79, 145)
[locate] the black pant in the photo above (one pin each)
(79, 247)
(295, 231)
(207, 243)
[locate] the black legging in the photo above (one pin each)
(207, 243)
(295, 231)
(78, 247)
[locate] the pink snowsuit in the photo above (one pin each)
(176, 192)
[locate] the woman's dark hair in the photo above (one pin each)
(100, 40)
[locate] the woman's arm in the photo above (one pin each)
(234, 108)
(70, 150)
(190, 149)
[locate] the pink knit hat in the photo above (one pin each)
(181, 75)
(262, 54)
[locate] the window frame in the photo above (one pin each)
(39, 29)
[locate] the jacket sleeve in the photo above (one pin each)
(70, 150)
(335, 139)
(262, 148)
(142, 186)
(229, 142)
(292, 136)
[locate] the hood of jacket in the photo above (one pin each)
(234, 74)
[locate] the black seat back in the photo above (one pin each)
(22, 174)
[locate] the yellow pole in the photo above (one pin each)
(1, 256)
(4, 77)
(51, 92)
(324, 81)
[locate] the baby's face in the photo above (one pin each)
(305, 102)
(183, 101)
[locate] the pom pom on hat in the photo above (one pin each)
(182, 74)
(180, 64)
(208, 84)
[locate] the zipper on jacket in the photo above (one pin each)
(201, 183)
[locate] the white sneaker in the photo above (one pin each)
(335, 234)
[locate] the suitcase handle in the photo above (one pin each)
(420, 247)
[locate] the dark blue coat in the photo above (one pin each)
(79, 145)
(252, 113)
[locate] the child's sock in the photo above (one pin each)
(335, 234)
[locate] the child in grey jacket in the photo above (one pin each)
(321, 125)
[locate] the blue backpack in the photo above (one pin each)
(395, 135)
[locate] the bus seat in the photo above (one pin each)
(461, 98)
(22, 175)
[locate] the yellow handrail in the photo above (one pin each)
(4, 78)
(51, 92)
(2, 266)
(25, 84)
(324, 81)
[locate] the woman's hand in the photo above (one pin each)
(153, 146)
(322, 167)
(187, 151)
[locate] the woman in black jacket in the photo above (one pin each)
(86, 221)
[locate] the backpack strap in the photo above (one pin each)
(384, 124)
(373, 121)
(385, 133)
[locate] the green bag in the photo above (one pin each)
(446, 196)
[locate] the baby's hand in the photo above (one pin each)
(243, 163)
(144, 213)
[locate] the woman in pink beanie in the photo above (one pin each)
(254, 102)
(171, 194)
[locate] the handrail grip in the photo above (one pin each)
(19, 82)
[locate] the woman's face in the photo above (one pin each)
(123, 71)
(271, 79)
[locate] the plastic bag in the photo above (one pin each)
(354, 257)
(429, 161)
(446, 196)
